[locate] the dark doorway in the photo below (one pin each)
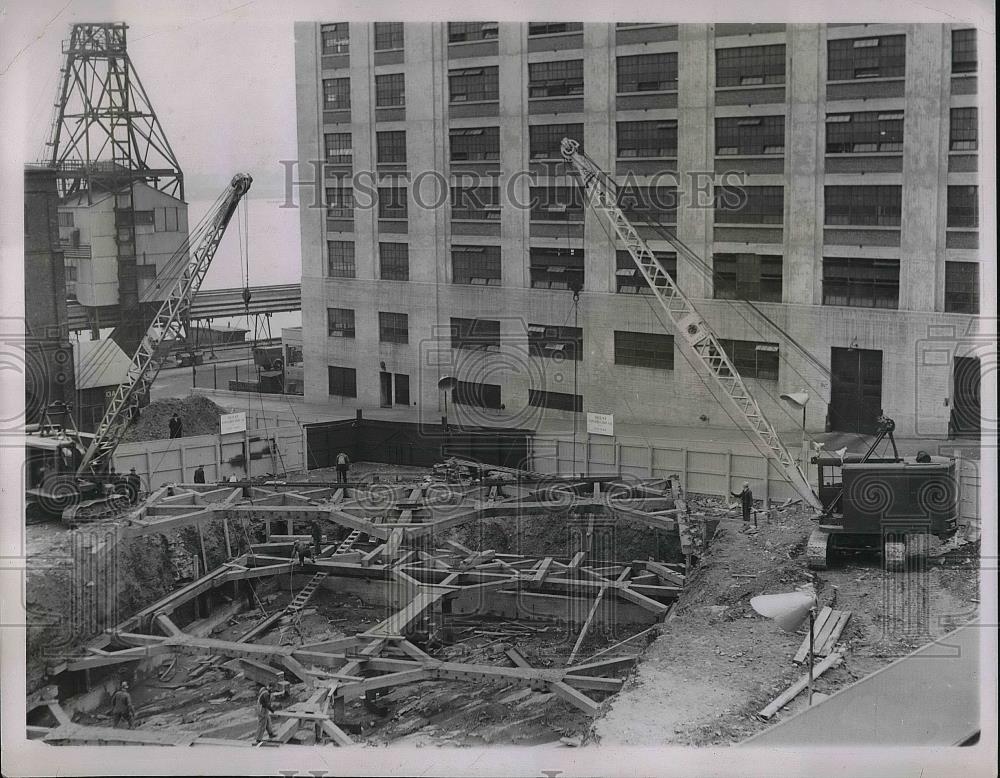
(402, 393)
(385, 383)
(856, 391)
(965, 408)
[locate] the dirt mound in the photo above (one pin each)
(199, 415)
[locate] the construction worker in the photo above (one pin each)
(343, 465)
(301, 549)
(176, 426)
(134, 484)
(199, 474)
(746, 500)
(317, 534)
(121, 707)
(264, 709)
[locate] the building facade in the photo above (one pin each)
(825, 175)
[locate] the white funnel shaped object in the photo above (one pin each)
(788, 609)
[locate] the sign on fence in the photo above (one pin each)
(232, 422)
(601, 423)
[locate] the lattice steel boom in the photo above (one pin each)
(693, 330)
(169, 322)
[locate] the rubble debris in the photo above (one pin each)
(199, 415)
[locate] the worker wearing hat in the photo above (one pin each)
(122, 712)
(746, 500)
(134, 483)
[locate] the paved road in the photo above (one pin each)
(928, 698)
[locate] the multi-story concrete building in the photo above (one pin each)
(826, 174)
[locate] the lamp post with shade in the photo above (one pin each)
(789, 610)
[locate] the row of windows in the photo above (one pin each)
(846, 133)
(847, 59)
(849, 281)
(859, 206)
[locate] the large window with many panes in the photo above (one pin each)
(556, 203)
(555, 79)
(336, 38)
(460, 32)
(394, 261)
(647, 73)
(961, 287)
(475, 203)
(475, 334)
(544, 139)
(556, 401)
(342, 381)
(392, 202)
(393, 327)
(650, 204)
(388, 36)
(338, 148)
(750, 65)
(879, 206)
(336, 94)
(752, 359)
(647, 139)
(340, 322)
(749, 205)
(555, 342)
(864, 131)
(470, 85)
(340, 202)
(556, 268)
(861, 282)
(964, 129)
(964, 58)
(644, 349)
(391, 146)
(474, 144)
(390, 90)
(750, 135)
(856, 58)
(340, 258)
(628, 278)
(746, 277)
(963, 206)
(475, 265)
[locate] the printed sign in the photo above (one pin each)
(232, 422)
(601, 424)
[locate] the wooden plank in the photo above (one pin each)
(575, 698)
(825, 650)
(578, 558)
(594, 682)
(586, 625)
(167, 625)
(602, 664)
(792, 691)
(260, 672)
(516, 657)
(543, 570)
(59, 713)
(818, 623)
(824, 634)
(336, 734)
(664, 573)
(620, 643)
(641, 600)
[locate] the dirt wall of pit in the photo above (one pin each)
(94, 579)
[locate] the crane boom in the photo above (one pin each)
(169, 322)
(693, 330)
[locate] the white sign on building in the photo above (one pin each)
(601, 424)
(232, 422)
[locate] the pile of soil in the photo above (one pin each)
(199, 415)
(717, 663)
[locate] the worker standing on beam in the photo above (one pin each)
(264, 708)
(317, 535)
(122, 711)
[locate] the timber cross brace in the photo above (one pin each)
(396, 539)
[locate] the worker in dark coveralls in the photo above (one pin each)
(317, 534)
(301, 550)
(134, 483)
(122, 712)
(176, 426)
(746, 500)
(264, 708)
(199, 474)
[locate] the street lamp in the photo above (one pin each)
(799, 400)
(446, 384)
(789, 610)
